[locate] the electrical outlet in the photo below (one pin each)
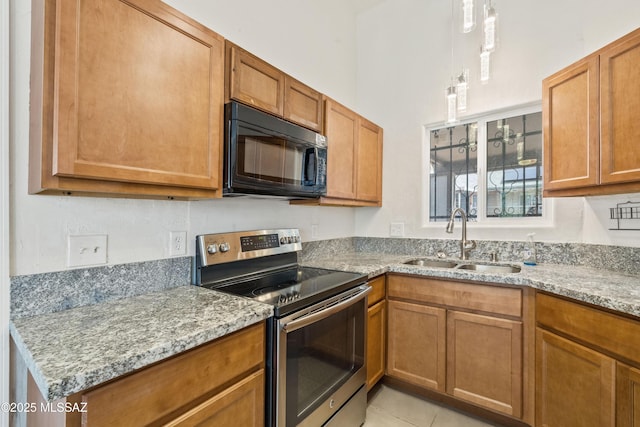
(396, 229)
(177, 243)
(87, 250)
(314, 231)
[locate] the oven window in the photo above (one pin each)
(321, 357)
(270, 158)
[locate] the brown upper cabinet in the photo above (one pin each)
(126, 98)
(354, 163)
(590, 119)
(254, 82)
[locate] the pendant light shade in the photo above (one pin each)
(468, 15)
(489, 25)
(462, 86)
(451, 100)
(485, 65)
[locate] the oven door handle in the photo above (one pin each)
(315, 316)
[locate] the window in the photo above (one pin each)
(508, 147)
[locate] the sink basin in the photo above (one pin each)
(431, 263)
(489, 268)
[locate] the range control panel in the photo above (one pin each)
(228, 247)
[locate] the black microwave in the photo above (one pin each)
(265, 155)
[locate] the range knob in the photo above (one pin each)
(296, 239)
(283, 240)
(224, 247)
(212, 249)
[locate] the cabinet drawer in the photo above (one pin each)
(490, 299)
(241, 404)
(157, 391)
(615, 334)
(378, 290)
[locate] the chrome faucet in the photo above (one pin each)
(465, 245)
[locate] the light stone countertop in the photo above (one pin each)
(607, 289)
(72, 350)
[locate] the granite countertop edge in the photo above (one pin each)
(57, 373)
(603, 288)
(146, 329)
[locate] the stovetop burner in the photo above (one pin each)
(293, 288)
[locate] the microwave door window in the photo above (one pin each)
(261, 158)
(293, 165)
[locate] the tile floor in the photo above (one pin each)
(391, 408)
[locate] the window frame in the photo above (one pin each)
(482, 221)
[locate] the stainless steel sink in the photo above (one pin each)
(483, 268)
(490, 268)
(422, 262)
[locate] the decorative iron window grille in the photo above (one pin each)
(510, 151)
(454, 172)
(514, 166)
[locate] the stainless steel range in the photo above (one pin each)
(316, 339)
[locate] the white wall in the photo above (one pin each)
(4, 209)
(404, 66)
(313, 41)
(396, 78)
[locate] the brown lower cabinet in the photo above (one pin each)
(376, 331)
(216, 384)
(466, 341)
(587, 365)
(627, 396)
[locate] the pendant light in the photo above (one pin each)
(468, 15)
(489, 25)
(451, 99)
(462, 86)
(485, 64)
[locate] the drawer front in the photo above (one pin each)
(485, 298)
(378, 290)
(240, 405)
(612, 333)
(157, 391)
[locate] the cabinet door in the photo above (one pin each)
(138, 94)
(303, 104)
(484, 361)
(154, 393)
(416, 344)
(620, 110)
(369, 162)
(240, 405)
(254, 82)
(574, 385)
(376, 329)
(627, 396)
(341, 127)
(571, 127)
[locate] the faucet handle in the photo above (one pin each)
(469, 244)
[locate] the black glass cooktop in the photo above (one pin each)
(293, 288)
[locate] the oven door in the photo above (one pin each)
(321, 359)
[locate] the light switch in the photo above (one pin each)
(87, 250)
